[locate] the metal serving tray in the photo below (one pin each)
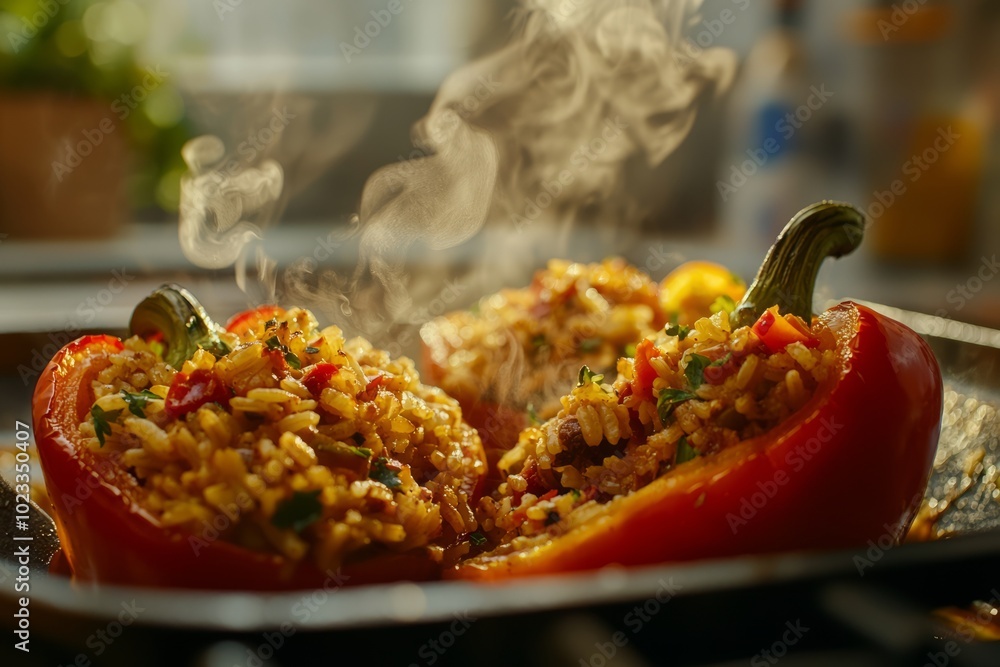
(750, 591)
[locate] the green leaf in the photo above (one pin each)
(312, 350)
(102, 421)
(685, 452)
(137, 402)
(363, 452)
(533, 419)
(270, 323)
(695, 370)
(591, 344)
(292, 360)
(381, 472)
(678, 330)
(722, 361)
(586, 376)
(723, 302)
(299, 511)
(669, 399)
(477, 539)
(273, 343)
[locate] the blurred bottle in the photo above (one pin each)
(781, 113)
(925, 132)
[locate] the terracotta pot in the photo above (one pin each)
(63, 166)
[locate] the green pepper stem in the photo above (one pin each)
(174, 312)
(787, 277)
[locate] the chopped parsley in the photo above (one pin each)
(381, 472)
(669, 399)
(723, 302)
(590, 344)
(274, 344)
(678, 330)
(312, 350)
(587, 376)
(270, 323)
(722, 361)
(299, 511)
(292, 360)
(477, 539)
(576, 494)
(695, 370)
(102, 421)
(363, 452)
(685, 452)
(137, 402)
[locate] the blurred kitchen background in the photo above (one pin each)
(891, 106)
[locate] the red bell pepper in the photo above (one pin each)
(107, 536)
(241, 323)
(849, 466)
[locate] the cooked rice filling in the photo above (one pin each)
(297, 442)
(712, 387)
(521, 346)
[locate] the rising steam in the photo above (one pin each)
(534, 136)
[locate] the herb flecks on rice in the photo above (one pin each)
(686, 394)
(521, 346)
(295, 442)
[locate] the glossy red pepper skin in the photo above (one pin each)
(850, 466)
(107, 537)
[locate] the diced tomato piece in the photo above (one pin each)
(248, 320)
(642, 383)
(317, 378)
(189, 392)
(777, 332)
(371, 389)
